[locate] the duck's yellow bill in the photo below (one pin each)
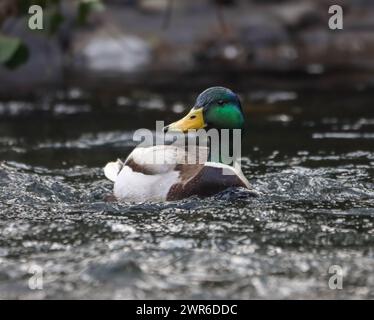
(193, 120)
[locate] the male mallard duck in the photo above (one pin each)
(138, 179)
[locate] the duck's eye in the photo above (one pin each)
(220, 102)
(193, 117)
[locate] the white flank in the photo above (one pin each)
(138, 187)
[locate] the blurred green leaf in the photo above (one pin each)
(12, 52)
(8, 47)
(86, 7)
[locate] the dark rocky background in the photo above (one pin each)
(267, 43)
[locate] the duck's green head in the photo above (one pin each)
(216, 107)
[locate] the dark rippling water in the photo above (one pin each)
(310, 155)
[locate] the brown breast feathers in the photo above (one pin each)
(202, 181)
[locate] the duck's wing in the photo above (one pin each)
(157, 160)
(164, 158)
(149, 161)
